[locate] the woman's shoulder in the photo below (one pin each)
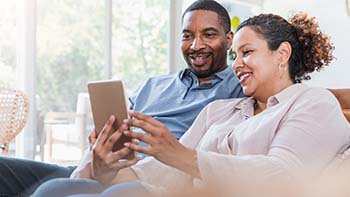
(227, 104)
(319, 94)
(315, 100)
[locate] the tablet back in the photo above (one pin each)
(107, 98)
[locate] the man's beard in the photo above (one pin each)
(203, 74)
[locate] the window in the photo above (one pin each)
(140, 40)
(70, 52)
(70, 41)
(70, 49)
(7, 43)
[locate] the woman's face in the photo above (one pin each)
(255, 65)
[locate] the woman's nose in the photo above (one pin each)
(237, 64)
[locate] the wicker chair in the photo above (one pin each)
(14, 108)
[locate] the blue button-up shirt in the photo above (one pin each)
(176, 99)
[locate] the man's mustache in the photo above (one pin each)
(198, 53)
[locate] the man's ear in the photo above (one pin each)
(284, 52)
(229, 38)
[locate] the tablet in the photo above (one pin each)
(107, 98)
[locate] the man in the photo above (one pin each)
(175, 100)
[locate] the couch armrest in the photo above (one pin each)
(347, 114)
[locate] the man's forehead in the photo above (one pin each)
(204, 15)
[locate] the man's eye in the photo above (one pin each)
(209, 35)
(186, 37)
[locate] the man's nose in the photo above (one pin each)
(197, 44)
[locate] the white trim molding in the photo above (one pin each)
(26, 73)
(175, 61)
(108, 40)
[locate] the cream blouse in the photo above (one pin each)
(301, 130)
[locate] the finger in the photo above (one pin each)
(145, 118)
(104, 134)
(125, 163)
(122, 153)
(114, 137)
(123, 127)
(92, 136)
(138, 148)
(145, 126)
(139, 136)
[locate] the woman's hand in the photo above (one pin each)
(92, 137)
(162, 144)
(106, 163)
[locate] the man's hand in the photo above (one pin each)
(162, 144)
(106, 163)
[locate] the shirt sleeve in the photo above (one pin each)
(307, 139)
(83, 169)
(132, 98)
(157, 176)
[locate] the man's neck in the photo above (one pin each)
(204, 80)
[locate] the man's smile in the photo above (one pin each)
(199, 59)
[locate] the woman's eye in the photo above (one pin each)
(233, 56)
(247, 52)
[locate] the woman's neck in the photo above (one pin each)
(261, 100)
(259, 107)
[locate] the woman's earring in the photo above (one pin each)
(283, 70)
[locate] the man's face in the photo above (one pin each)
(204, 42)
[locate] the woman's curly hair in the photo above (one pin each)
(311, 49)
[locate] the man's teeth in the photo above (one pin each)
(199, 58)
(201, 55)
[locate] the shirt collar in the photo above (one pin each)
(280, 97)
(224, 73)
(221, 75)
(183, 73)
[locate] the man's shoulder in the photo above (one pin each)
(163, 77)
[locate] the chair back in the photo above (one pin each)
(14, 109)
(343, 96)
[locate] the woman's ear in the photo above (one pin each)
(284, 52)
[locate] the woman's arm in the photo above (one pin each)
(103, 164)
(162, 144)
(84, 171)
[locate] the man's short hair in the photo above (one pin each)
(213, 6)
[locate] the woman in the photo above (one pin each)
(284, 132)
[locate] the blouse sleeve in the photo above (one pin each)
(154, 174)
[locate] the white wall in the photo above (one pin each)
(334, 21)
